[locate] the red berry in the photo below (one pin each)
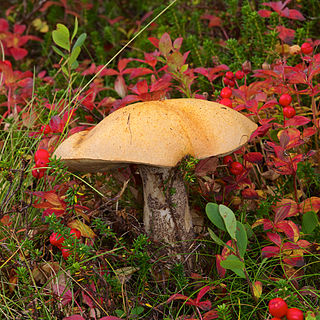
(274, 318)
(227, 159)
(75, 233)
(56, 239)
(226, 81)
(231, 83)
(294, 314)
(41, 163)
(278, 307)
(37, 173)
(306, 48)
(66, 252)
(227, 102)
(226, 92)
(289, 112)
(45, 129)
(229, 75)
(239, 74)
(236, 168)
(285, 99)
(42, 154)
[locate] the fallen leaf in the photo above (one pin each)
(85, 230)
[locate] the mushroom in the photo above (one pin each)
(156, 135)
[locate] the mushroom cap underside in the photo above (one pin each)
(157, 133)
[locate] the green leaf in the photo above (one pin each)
(137, 310)
(61, 36)
(74, 55)
(80, 41)
(234, 264)
(215, 238)
(75, 30)
(229, 220)
(249, 231)
(242, 239)
(120, 313)
(309, 222)
(75, 65)
(212, 211)
(184, 68)
(59, 52)
(65, 71)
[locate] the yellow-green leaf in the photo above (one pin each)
(85, 230)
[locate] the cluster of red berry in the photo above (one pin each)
(41, 158)
(235, 167)
(229, 81)
(288, 111)
(57, 240)
(278, 308)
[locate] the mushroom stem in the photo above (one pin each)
(167, 217)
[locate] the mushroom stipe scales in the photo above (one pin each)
(156, 135)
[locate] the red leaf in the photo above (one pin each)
(120, 87)
(206, 166)
(285, 208)
(5, 220)
(202, 71)
(289, 228)
(297, 77)
(276, 5)
(249, 193)
(308, 132)
(254, 157)
(269, 251)
(214, 21)
(138, 72)
(64, 293)
(296, 15)
(310, 204)
(267, 224)
(161, 84)
(74, 317)
(154, 41)
(165, 44)
(177, 43)
(87, 300)
(204, 305)
(296, 261)
(212, 314)
(290, 138)
(90, 70)
(275, 238)
(285, 34)
(221, 271)
(202, 292)
(122, 64)
(297, 121)
(264, 13)
(261, 131)
(303, 243)
(18, 53)
(108, 72)
(269, 104)
(56, 124)
(4, 25)
(178, 296)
